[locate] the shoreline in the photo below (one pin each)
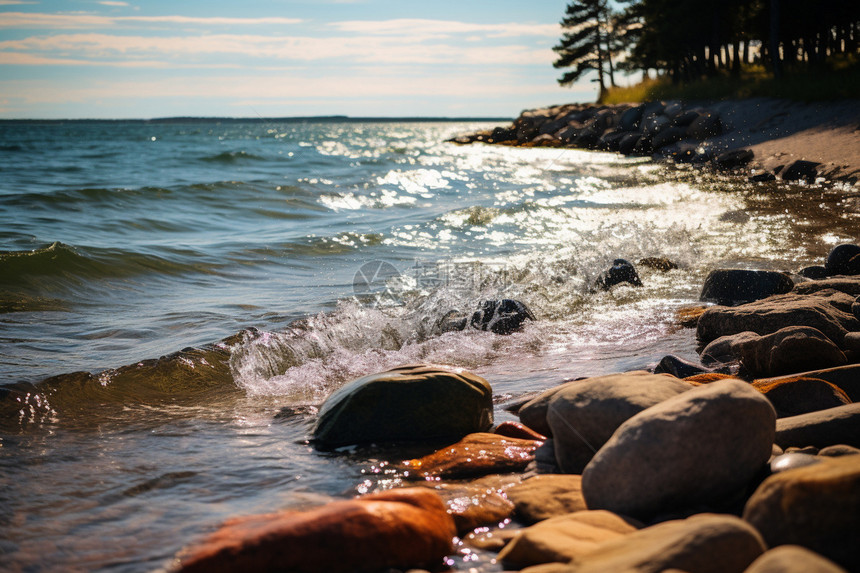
(761, 138)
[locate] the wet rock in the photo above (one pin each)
(725, 349)
(731, 287)
(478, 503)
(685, 118)
(821, 429)
(843, 260)
(790, 349)
(627, 144)
(734, 158)
(801, 170)
(399, 528)
(621, 271)
(791, 461)
(846, 285)
(678, 367)
(838, 450)
(630, 118)
(565, 538)
(820, 311)
(501, 316)
(668, 136)
(793, 559)
(855, 309)
(813, 272)
(476, 454)
(796, 395)
(547, 495)
(658, 263)
(583, 416)
(533, 412)
(490, 539)
(706, 125)
(517, 430)
(410, 403)
(846, 378)
(817, 507)
(666, 458)
(653, 124)
(689, 317)
(811, 450)
(703, 543)
(763, 177)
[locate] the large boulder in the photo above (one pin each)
(817, 506)
(565, 538)
(843, 260)
(797, 395)
(731, 287)
(793, 559)
(789, 349)
(707, 125)
(477, 454)
(399, 528)
(667, 457)
(821, 429)
(533, 413)
(410, 403)
(583, 416)
(847, 285)
(703, 543)
(821, 311)
(846, 378)
(547, 495)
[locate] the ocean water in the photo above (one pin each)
(176, 298)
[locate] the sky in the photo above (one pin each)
(274, 58)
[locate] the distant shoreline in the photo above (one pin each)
(308, 119)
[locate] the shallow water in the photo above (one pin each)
(248, 256)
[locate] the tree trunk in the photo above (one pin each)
(736, 60)
(775, 59)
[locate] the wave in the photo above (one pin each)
(229, 157)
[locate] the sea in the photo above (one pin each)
(177, 297)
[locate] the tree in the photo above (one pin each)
(586, 43)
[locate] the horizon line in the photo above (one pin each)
(261, 119)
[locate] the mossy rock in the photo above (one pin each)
(414, 403)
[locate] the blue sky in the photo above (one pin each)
(247, 58)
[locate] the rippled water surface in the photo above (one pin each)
(175, 298)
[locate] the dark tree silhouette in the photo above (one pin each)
(586, 44)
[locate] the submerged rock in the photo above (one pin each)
(399, 528)
(667, 458)
(410, 403)
(731, 287)
(476, 454)
(621, 271)
(817, 507)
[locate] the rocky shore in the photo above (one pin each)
(745, 461)
(764, 139)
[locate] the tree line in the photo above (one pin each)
(691, 39)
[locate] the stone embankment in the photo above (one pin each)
(763, 138)
(740, 462)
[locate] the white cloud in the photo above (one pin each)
(14, 2)
(414, 26)
(112, 3)
(41, 21)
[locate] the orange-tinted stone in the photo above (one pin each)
(476, 454)
(518, 430)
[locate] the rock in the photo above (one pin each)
(490, 539)
(689, 317)
(476, 454)
(813, 272)
(821, 429)
(763, 177)
(791, 461)
(517, 430)
(583, 416)
(855, 308)
(706, 378)
(684, 119)
(801, 170)
(533, 412)
(838, 450)
(706, 125)
(847, 285)
(817, 507)
(673, 109)
(658, 263)
(731, 287)
(793, 559)
(668, 136)
(846, 378)
(501, 316)
(666, 458)
(565, 538)
(842, 260)
(734, 158)
(851, 342)
(820, 311)
(652, 124)
(628, 143)
(630, 118)
(677, 367)
(725, 349)
(796, 395)
(410, 403)
(621, 271)
(399, 528)
(811, 450)
(790, 349)
(547, 495)
(478, 503)
(703, 543)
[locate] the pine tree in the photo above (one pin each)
(584, 45)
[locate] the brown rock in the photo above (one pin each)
(817, 507)
(658, 263)
(476, 454)
(793, 559)
(821, 429)
(847, 285)
(398, 528)
(689, 317)
(533, 412)
(846, 378)
(838, 450)
(517, 430)
(789, 349)
(799, 394)
(490, 539)
(704, 543)
(821, 310)
(706, 378)
(477, 503)
(565, 538)
(547, 495)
